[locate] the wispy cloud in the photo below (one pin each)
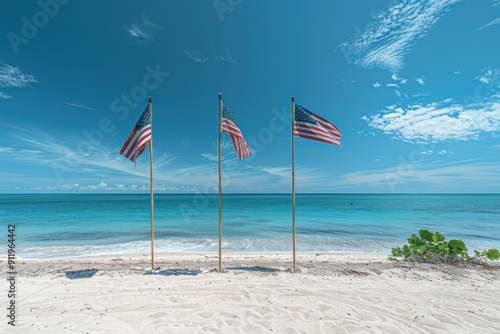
(457, 72)
(6, 149)
(5, 96)
(196, 56)
(491, 23)
(420, 81)
(397, 78)
(226, 57)
(439, 121)
(473, 175)
(440, 152)
(386, 43)
(201, 58)
(104, 171)
(103, 187)
(61, 165)
(376, 85)
(443, 152)
(210, 156)
(142, 31)
(392, 85)
(78, 105)
(495, 3)
(421, 95)
(490, 76)
(11, 76)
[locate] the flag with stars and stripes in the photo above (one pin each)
(228, 125)
(311, 126)
(138, 138)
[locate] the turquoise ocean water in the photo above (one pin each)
(51, 226)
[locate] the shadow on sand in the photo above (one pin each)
(256, 268)
(87, 273)
(178, 272)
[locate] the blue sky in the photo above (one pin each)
(414, 87)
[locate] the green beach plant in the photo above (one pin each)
(434, 247)
(490, 254)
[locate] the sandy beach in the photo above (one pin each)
(256, 293)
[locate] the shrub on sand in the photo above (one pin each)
(433, 247)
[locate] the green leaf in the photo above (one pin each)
(396, 252)
(413, 239)
(437, 237)
(457, 244)
(421, 250)
(406, 251)
(443, 247)
(426, 235)
(492, 254)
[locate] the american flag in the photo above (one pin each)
(138, 138)
(311, 126)
(228, 125)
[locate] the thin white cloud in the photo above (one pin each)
(386, 43)
(397, 78)
(376, 84)
(63, 161)
(490, 76)
(210, 157)
(11, 76)
(63, 165)
(6, 149)
(421, 94)
(143, 30)
(457, 72)
(440, 152)
(196, 56)
(443, 152)
(63, 187)
(472, 175)
(440, 121)
(491, 23)
(79, 106)
(199, 57)
(5, 96)
(227, 57)
(420, 81)
(392, 85)
(495, 3)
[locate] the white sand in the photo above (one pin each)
(332, 293)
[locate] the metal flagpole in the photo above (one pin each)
(293, 183)
(150, 105)
(220, 186)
